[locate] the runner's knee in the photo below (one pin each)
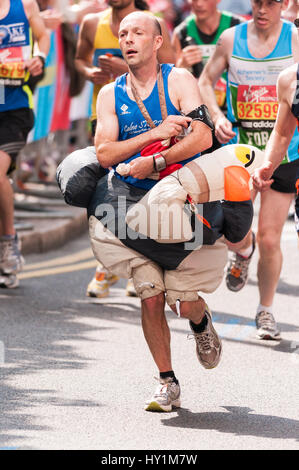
(268, 241)
(155, 303)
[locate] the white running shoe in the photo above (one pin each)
(266, 326)
(130, 289)
(166, 396)
(11, 260)
(9, 281)
(208, 344)
(100, 283)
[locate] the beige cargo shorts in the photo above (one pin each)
(202, 270)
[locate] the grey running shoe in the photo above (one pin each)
(9, 281)
(237, 271)
(166, 396)
(11, 260)
(208, 344)
(266, 326)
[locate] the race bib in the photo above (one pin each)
(257, 103)
(12, 68)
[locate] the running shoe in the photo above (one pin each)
(11, 260)
(8, 281)
(99, 285)
(130, 289)
(266, 326)
(208, 344)
(237, 271)
(166, 396)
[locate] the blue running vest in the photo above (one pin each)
(15, 48)
(251, 89)
(132, 122)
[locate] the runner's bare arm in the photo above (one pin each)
(37, 24)
(215, 66)
(84, 52)
(295, 45)
(283, 131)
(184, 91)
(109, 150)
(187, 56)
(166, 53)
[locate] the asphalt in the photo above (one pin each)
(43, 220)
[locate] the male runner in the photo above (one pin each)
(100, 60)
(287, 119)
(254, 54)
(122, 132)
(20, 22)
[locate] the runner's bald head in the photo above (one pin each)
(147, 18)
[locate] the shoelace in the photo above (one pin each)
(204, 339)
(162, 388)
(8, 249)
(266, 320)
(239, 264)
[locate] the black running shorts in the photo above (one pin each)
(285, 177)
(15, 126)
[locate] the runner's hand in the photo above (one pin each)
(141, 167)
(261, 178)
(35, 66)
(98, 76)
(223, 130)
(171, 127)
(190, 55)
(113, 65)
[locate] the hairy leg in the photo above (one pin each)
(156, 330)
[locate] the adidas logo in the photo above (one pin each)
(124, 109)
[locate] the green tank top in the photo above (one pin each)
(189, 28)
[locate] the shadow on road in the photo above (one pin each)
(282, 288)
(37, 337)
(237, 421)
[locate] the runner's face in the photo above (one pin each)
(266, 13)
(120, 4)
(137, 40)
(203, 9)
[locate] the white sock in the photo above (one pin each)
(246, 252)
(263, 308)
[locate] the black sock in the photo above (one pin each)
(166, 375)
(200, 327)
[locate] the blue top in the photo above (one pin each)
(251, 89)
(15, 48)
(132, 122)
